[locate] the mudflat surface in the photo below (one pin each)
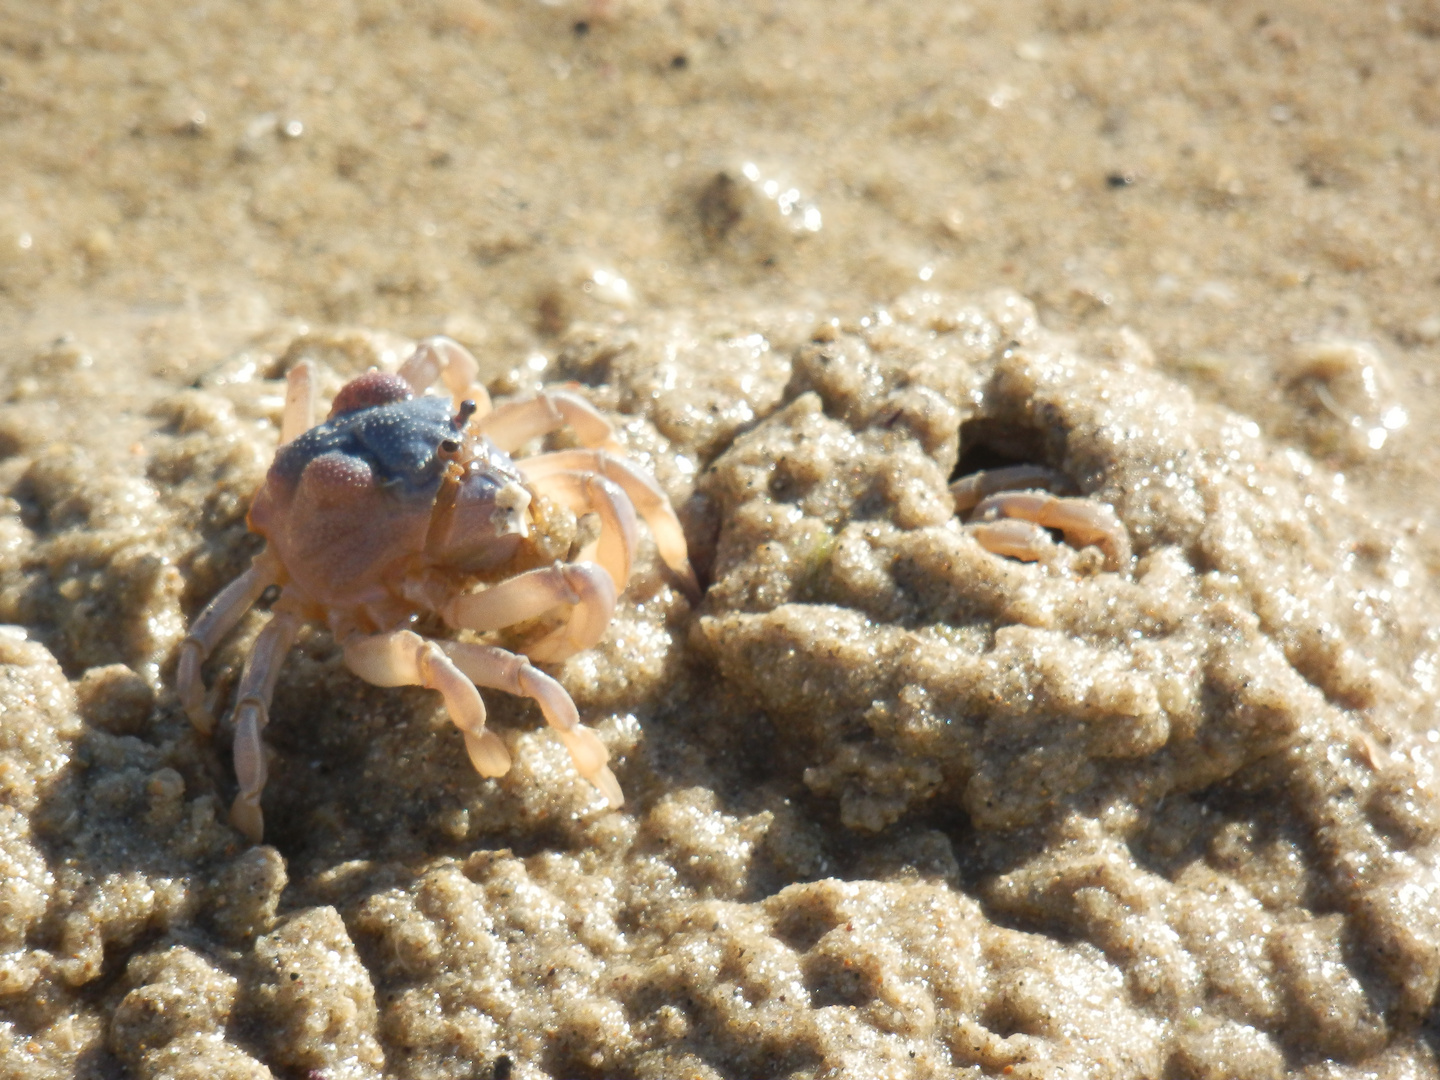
(896, 805)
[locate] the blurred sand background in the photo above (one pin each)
(1232, 180)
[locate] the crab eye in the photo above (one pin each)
(368, 390)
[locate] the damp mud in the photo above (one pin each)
(896, 805)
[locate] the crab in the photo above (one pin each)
(404, 506)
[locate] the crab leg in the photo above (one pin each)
(969, 490)
(299, 414)
(404, 658)
(252, 713)
(515, 423)
(207, 631)
(643, 492)
(494, 667)
(446, 359)
(583, 492)
(1015, 539)
(585, 587)
(1082, 521)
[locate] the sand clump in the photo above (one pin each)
(896, 806)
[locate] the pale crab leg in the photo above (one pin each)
(969, 490)
(582, 493)
(210, 628)
(252, 714)
(584, 586)
(1015, 539)
(1082, 521)
(299, 414)
(644, 493)
(446, 359)
(515, 423)
(404, 658)
(503, 670)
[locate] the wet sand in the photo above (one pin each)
(896, 806)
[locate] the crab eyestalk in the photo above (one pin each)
(443, 516)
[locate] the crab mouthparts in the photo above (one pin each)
(511, 502)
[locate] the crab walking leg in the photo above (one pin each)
(252, 713)
(619, 534)
(494, 667)
(643, 492)
(585, 587)
(1014, 538)
(207, 631)
(969, 490)
(446, 359)
(404, 658)
(515, 423)
(1082, 521)
(299, 414)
